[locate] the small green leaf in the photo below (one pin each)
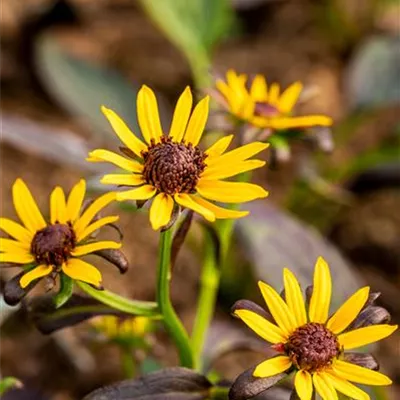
(8, 383)
(134, 307)
(65, 292)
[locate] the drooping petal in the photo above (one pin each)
(122, 179)
(321, 297)
(324, 387)
(347, 313)
(219, 212)
(278, 308)
(239, 154)
(96, 246)
(230, 192)
(95, 226)
(38, 272)
(16, 257)
(363, 336)
(303, 384)
(26, 207)
(123, 132)
(58, 206)
(297, 122)
(145, 192)
(12, 246)
(92, 210)
(197, 122)
(147, 113)
(294, 298)
(188, 201)
(181, 115)
(347, 388)
(82, 271)
(15, 230)
(161, 210)
(262, 327)
(273, 95)
(75, 200)
(272, 367)
(258, 90)
(289, 97)
(355, 373)
(229, 170)
(101, 155)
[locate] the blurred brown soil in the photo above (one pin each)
(287, 46)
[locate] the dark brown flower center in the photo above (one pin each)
(312, 346)
(53, 245)
(173, 167)
(265, 110)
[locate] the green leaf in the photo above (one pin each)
(8, 383)
(65, 292)
(134, 307)
(195, 27)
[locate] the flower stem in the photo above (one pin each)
(171, 320)
(128, 363)
(209, 282)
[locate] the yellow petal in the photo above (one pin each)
(219, 147)
(197, 122)
(322, 290)
(186, 200)
(95, 226)
(278, 308)
(294, 298)
(16, 230)
(75, 200)
(143, 193)
(122, 179)
(58, 206)
(91, 211)
(26, 207)
(229, 170)
(241, 153)
(363, 336)
(126, 136)
(161, 210)
(181, 115)
(303, 384)
(298, 122)
(82, 271)
(96, 246)
(346, 314)
(227, 92)
(12, 246)
(38, 272)
(100, 155)
(147, 113)
(262, 327)
(355, 373)
(272, 367)
(289, 97)
(258, 90)
(230, 192)
(324, 387)
(16, 257)
(347, 388)
(219, 212)
(273, 96)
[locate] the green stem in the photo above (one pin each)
(171, 321)
(209, 282)
(128, 363)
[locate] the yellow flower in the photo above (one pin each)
(172, 168)
(114, 327)
(313, 343)
(264, 107)
(55, 246)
